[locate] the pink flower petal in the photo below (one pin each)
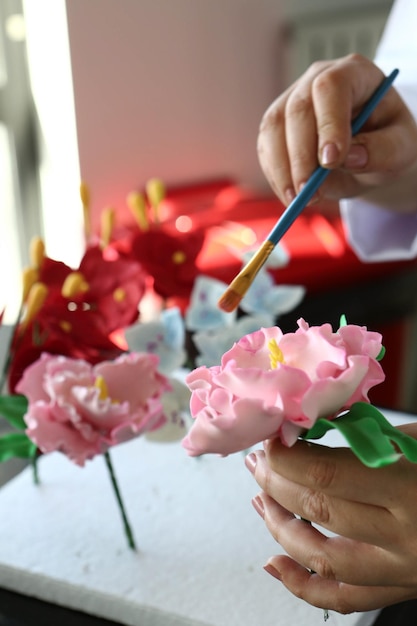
(225, 434)
(68, 413)
(132, 378)
(50, 436)
(247, 400)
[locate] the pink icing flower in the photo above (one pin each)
(270, 384)
(82, 410)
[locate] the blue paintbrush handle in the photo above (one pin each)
(301, 200)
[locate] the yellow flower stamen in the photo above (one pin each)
(73, 285)
(36, 252)
(85, 201)
(107, 223)
(84, 194)
(178, 257)
(101, 385)
(137, 205)
(36, 297)
(119, 294)
(65, 326)
(30, 276)
(155, 190)
(275, 354)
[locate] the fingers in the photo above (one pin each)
(368, 561)
(310, 123)
(334, 557)
(384, 151)
(339, 93)
(331, 594)
(287, 140)
(340, 516)
(335, 472)
(272, 151)
(317, 126)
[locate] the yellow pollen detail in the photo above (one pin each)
(119, 294)
(85, 200)
(35, 300)
(155, 190)
(275, 354)
(136, 203)
(178, 257)
(107, 224)
(74, 284)
(65, 326)
(84, 194)
(30, 276)
(101, 385)
(37, 252)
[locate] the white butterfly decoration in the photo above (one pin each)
(217, 331)
(213, 343)
(203, 311)
(164, 337)
(176, 405)
(263, 296)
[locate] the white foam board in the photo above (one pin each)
(201, 545)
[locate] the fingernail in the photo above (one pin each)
(289, 195)
(250, 462)
(273, 571)
(329, 154)
(258, 505)
(356, 157)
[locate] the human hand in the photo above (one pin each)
(311, 122)
(371, 561)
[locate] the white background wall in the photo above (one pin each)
(50, 76)
(171, 88)
(168, 88)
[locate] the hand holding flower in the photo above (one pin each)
(277, 387)
(372, 562)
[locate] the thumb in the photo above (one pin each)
(386, 151)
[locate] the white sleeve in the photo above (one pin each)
(377, 234)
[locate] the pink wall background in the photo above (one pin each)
(171, 88)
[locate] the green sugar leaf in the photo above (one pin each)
(16, 445)
(369, 434)
(13, 408)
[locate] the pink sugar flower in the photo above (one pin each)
(82, 410)
(271, 384)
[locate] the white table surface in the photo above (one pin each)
(201, 544)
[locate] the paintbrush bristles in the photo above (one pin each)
(240, 284)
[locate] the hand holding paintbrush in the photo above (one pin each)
(241, 283)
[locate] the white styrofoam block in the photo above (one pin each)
(201, 544)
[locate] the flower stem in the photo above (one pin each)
(126, 525)
(35, 468)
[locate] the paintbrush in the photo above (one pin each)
(238, 287)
